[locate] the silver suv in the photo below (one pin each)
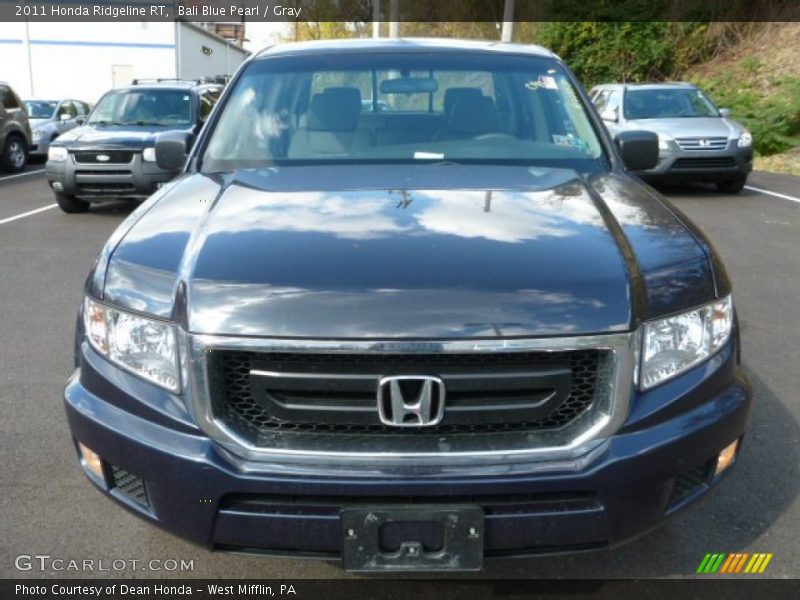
(15, 132)
(697, 141)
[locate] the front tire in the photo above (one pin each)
(732, 186)
(71, 204)
(15, 154)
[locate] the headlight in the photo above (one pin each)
(149, 155)
(745, 139)
(57, 153)
(144, 346)
(664, 141)
(675, 344)
(37, 134)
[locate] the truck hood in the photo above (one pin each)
(111, 137)
(460, 252)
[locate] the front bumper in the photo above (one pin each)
(137, 179)
(678, 165)
(660, 461)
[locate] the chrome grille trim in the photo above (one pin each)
(702, 144)
(606, 415)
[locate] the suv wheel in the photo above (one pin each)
(71, 204)
(731, 186)
(15, 154)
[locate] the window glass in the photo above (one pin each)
(668, 103)
(7, 98)
(40, 109)
(66, 108)
(474, 108)
(144, 107)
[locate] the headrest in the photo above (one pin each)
(474, 116)
(452, 95)
(335, 109)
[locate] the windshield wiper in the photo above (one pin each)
(104, 123)
(142, 123)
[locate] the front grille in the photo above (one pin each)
(106, 189)
(710, 162)
(114, 157)
(129, 485)
(492, 504)
(330, 394)
(702, 144)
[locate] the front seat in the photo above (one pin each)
(331, 126)
(470, 117)
(454, 94)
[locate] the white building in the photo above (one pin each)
(84, 60)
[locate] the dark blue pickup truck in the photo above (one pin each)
(406, 306)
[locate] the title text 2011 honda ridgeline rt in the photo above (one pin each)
(404, 305)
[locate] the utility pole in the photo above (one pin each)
(394, 18)
(376, 18)
(508, 22)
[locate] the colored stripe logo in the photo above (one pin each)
(737, 562)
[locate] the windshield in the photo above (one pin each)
(668, 104)
(144, 107)
(403, 108)
(40, 109)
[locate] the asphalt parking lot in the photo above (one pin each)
(48, 507)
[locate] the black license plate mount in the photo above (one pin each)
(460, 529)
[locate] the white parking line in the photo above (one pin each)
(22, 174)
(776, 194)
(27, 214)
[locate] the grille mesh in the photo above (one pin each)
(114, 157)
(234, 402)
(687, 483)
(704, 162)
(129, 484)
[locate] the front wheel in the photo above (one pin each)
(732, 186)
(71, 204)
(15, 155)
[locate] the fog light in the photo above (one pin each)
(92, 460)
(727, 457)
(56, 185)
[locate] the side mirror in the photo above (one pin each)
(80, 119)
(724, 112)
(65, 117)
(171, 150)
(610, 115)
(638, 149)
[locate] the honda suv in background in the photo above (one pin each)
(409, 338)
(15, 131)
(112, 156)
(696, 140)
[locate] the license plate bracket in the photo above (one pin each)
(461, 534)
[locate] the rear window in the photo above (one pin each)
(365, 108)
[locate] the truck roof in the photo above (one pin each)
(398, 45)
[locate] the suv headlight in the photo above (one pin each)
(664, 141)
(37, 134)
(57, 153)
(149, 154)
(146, 347)
(745, 139)
(678, 343)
